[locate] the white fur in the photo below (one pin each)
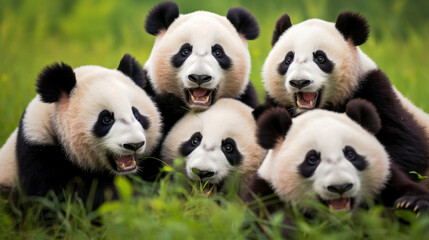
(202, 30)
(227, 118)
(8, 164)
(328, 133)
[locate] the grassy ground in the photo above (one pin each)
(82, 32)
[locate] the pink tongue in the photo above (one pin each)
(339, 203)
(199, 92)
(308, 96)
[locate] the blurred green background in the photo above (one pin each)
(34, 34)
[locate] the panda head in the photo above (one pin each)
(102, 118)
(315, 63)
(324, 156)
(201, 56)
(215, 143)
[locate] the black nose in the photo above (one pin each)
(341, 188)
(133, 146)
(299, 83)
(202, 174)
(199, 79)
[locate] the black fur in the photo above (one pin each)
(323, 62)
(161, 17)
(143, 120)
(42, 168)
(353, 26)
(231, 152)
(284, 65)
(180, 57)
(310, 164)
(132, 68)
(282, 24)
(104, 123)
(272, 127)
(189, 146)
(365, 114)
(357, 160)
(54, 81)
(224, 61)
(244, 22)
(249, 97)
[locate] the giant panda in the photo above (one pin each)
(320, 156)
(85, 126)
(215, 144)
(318, 65)
(200, 57)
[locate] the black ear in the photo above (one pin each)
(272, 126)
(130, 67)
(353, 26)
(244, 22)
(54, 81)
(365, 114)
(282, 24)
(160, 17)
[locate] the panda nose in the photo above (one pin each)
(341, 188)
(133, 146)
(202, 174)
(299, 83)
(199, 79)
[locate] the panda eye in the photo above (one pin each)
(229, 148)
(312, 160)
(195, 141)
(289, 58)
(218, 53)
(185, 52)
(350, 153)
(136, 113)
(107, 120)
(320, 59)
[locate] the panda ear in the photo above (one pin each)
(353, 26)
(160, 17)
(54, 81)
(132, 68)
(365, 114)
(244, 22)
(282, 24)
(272, 127)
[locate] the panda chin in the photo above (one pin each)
(307, 100)
(200, 96)
(123, 164)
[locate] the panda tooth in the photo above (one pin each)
(192, 98)
(298, 103)
(134, 164)
(207, 100)
(311, 104)
(122, 166)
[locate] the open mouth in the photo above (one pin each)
(339, 204)
(123, 163)
(200, 96)
(307, 100)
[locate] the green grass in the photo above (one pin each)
(34, 34)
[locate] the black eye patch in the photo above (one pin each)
(357, 160)
(180, 57)
(221, 57)
(144, 121)
(189, 146)
(104, 123)
(284, 65)
(310, 163)
(230, 150)
(323, 62)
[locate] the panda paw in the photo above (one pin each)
(415, 203)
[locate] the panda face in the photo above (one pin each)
(208, 159)
(108, 122)
(313, 65)
(200, 58)
(332, 160)
(215, 143)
